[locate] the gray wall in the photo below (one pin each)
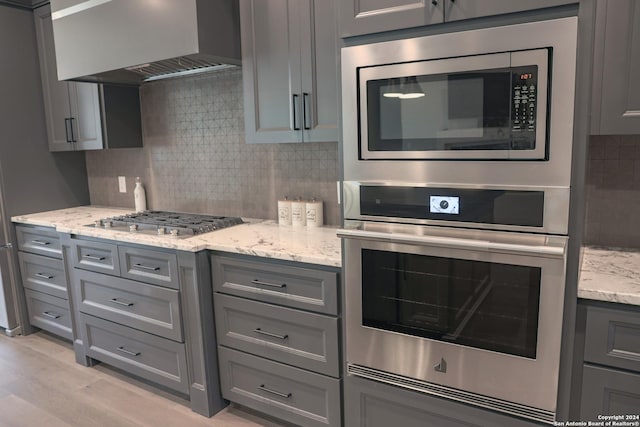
(195, 158)
(613, 192)
(33, 179)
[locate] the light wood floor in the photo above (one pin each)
(41, 385)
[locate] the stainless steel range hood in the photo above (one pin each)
(132, 41)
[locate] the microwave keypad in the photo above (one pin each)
(523, 113)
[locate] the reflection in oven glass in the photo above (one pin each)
(485, 305)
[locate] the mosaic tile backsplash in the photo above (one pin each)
(195, 158)
(613, 192)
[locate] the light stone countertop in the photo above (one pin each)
(609, 274)
(263, 238)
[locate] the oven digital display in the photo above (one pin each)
(444, 205)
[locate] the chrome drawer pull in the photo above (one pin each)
(270, 334)
(130, 353)
(117, 301)
(43, 276)
(93, 257)
(273, 285)
(146, 267)
(41, 242)
(51, 316)
(277, 393)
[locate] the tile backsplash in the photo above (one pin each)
(613, 192)
(195, 158)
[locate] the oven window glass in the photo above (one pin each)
(481, 110)
(486, 305)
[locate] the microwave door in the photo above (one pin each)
(458, 108)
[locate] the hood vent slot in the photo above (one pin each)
(176, 67)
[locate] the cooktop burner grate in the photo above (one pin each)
(172, 223)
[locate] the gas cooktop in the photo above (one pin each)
(173, 224)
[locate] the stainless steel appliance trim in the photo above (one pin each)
(555, 215)
(501, 375)
(456, 243)
(454, 65)
(558, 34)
(453, 394)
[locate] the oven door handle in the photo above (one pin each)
(456, 243)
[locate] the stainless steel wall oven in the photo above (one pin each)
(457, 165)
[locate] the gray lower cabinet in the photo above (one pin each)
(277, 325)
(295, 395)
(359, 17)
(44, 279)
(373, 404)
(611, 370)
(616, 96)
(289, 70)
(149, 312)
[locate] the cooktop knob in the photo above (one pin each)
(133, 227)
(174, 233)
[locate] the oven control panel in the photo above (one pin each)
(523, 107)
(444, 204)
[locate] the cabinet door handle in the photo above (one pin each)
(51, 315)
(93, 257)
(294, 105)
(273, 285)
(305, 98)
(270, 334)
(117, 301)
(130, 353)
(67, 121)
(146, 267)
(41, 242)
(277, 393)
(73, 137)
(43, 276)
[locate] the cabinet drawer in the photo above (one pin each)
(296, 287)
(148, 356)
(160, 268)
(39, 241)
(295, 337)
(95, 256)
(609, 392)
(288, 393)
(43, 274)
(149, 308)
(613, 337)
(49, 313)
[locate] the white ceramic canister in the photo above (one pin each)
(298, 213)
(314, 213)
(284, 211)
(139, 196)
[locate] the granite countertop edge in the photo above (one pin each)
(256, 237)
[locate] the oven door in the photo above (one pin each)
(468, 314)
(491, 107)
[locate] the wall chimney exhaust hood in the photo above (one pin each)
(133, 41)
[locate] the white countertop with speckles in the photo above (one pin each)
(263, 238)
(609, 274)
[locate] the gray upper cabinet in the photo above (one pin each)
(358, 17)
(616, 99)
(72, 109)
(289, 70)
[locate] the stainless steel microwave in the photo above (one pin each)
(491, 106)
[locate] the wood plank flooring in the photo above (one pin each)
(42, 385)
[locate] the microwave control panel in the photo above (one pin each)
(524, 107)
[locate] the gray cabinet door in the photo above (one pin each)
(72, 109)
(270, 32)
(466, 9)
(373, 16)
(609, 392)
(289, 66)
(319, 66)
(57, 105)
(616, 96)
